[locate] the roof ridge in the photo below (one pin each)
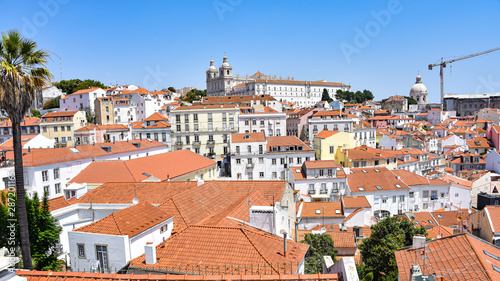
(255, 247)
(116, 223)
(352, 214)
(180, 214)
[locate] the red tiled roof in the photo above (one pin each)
(59, 114)
(130, 221)
(322, 209)
(83, 91)
(159, 124)
(27, 121)
(355, 202)
(285, 141)
(325, 134)
(84, 276)
(457, 257)
(248, 137)
(60, 202)
(386, 180)
(156, 117)
(44, 156)
(201, 247)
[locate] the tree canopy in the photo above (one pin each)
(319, 245)
(411, 100)
(378, 251)
(357, 97)
(194, 95)
(44, 230)
(73, 85)
(172, 89)
(53, 103)
(326, 96)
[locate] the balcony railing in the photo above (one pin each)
(178, 143)
(311, 191)
(196, 143)
(250, 165)
(323, 191)
(210, 142)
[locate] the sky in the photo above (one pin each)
(374, 45)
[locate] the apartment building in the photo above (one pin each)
(156, 127)
(333, 120)
(260, 118)
(29, 126)
(257, 157)
(204, 129)
(104, 111)
(81, 100)
(61, 126)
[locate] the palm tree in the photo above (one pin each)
(22, 73)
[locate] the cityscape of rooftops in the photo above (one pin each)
(249, 140)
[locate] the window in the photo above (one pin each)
(178, 128)
(45, 175)
(209, 117)
(44, 129)
(273, 161)
(411, 194)
(178, 118)
(102, 257)
(425, 206)
(195, 117)
(186, 127)
(186, 118)
(434, 195)
(46, 189)
(246, 122)
(224, 117)
(62, 128)
(321, 172)
(275, 175)
(58, 188)
(210, 126)
(332, 149)
(282, 161)
(196, 127)
(394, 199)
(55, 128)
(323, 188)
(384, 200)
(261, 175)
(254, 121)
(238, 161)
(425, 194)
(261, 160)
(231, 116)
(56, 173)
(81, 251)
(456, 194)
(299, 160)
(249, 148)
(187, 139)
(311, 189)
(401, 198)
(164, 228)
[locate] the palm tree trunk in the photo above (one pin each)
(21, 199)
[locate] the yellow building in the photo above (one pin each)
(326, 143)
(104, 111)
(365, 156)
(61, 126)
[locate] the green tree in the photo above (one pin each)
(44, 231)
(36, 113)
(53, 103)
(73, 85)
(411, 100)
(387, 236)
(22, 72)
(319, 245)
(326, 96)
(172, 89)
(194, 95)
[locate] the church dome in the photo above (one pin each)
(418, 88)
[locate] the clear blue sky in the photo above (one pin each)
(157, 44)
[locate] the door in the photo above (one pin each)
(102, 257)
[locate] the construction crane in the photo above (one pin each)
(443, 64)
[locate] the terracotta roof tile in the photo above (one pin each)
(203, 247)
(130, 221)
(322, 209)
(386, 180)
(285, 141)
(156, 117)
(351, 202)
(248, 137)
(325, 134)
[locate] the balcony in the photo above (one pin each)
(323, 191)
(197, 143)
(250, 165)
(335, 190)
(210, 142)
(178, 143)
(311, 191)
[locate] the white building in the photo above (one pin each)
(81, 100)
(302, 93)
(109, 243)
(322, 180)
(260, 118)
(48, 170)
(437, 116)
(334, 120)
(312, 214)
(257, 157)
(365, 134)
(156, 127)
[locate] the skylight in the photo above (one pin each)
(147, 175)
(297, 170)
(491, 255)
(439, 216)
(416, 222)
(318, 212)
(430, 221)
(398, 185)
(361, 189)
(377, 170)
(364, 171)
(74, 150)
(378, 187)
(496, 268)
(337, 212)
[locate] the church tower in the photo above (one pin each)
(226, 74)
(211, 77)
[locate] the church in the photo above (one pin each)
(302, 93)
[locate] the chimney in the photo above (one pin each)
(168, 177)
(418, 242)
(150, 253)
(284, 243)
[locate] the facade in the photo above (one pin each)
(261, 118)
(365, 134)
(204, 129)
(29, 126)
(326, 143)
(257, 157)
(109, 243)
(492, 114)
(322, 180)
(312, 214)
(365, 156)
(61, 126)
(81, 100)
(467, 105)
(335, 120)
(395, 104)
(101, 133)
(104, 111)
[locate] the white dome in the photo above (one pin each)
(418, 88)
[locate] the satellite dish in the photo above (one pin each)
(135, 201)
